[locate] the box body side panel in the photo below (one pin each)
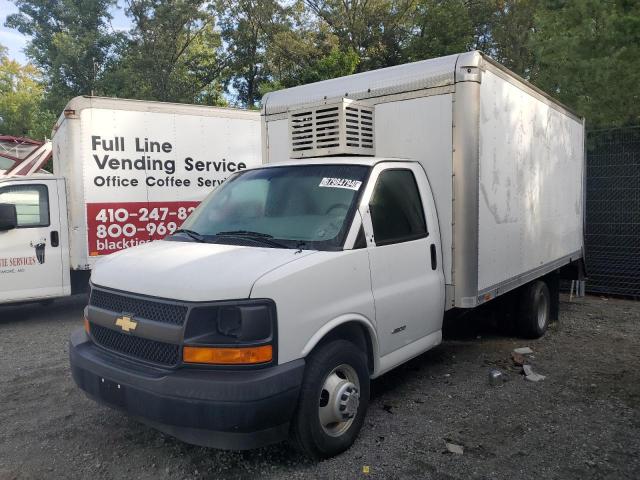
(530, 183)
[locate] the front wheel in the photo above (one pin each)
(333, 400)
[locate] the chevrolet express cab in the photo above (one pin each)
(435, 187)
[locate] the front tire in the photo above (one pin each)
(535, 310)
(333, 400)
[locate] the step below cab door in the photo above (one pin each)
(33, 251)
(403, 243)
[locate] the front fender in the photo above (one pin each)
(328, 327)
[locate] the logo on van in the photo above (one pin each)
(126, 323)
(40, 246)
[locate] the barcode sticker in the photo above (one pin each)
(340, 183)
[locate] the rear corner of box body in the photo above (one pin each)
(68, 163)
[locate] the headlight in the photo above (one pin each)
(231, 333)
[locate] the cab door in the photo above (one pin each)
(31, 257)
(403, 242)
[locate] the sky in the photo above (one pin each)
(16, 42)
(12, 39)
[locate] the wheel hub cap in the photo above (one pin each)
(339, 400)
(347, 401)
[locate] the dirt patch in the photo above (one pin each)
(582, 421)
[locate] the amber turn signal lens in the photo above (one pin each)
(86, 325)
(228, 356)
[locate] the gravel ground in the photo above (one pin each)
(581, 422)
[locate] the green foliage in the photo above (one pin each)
(512, 27)
(173, 54)
(376, 30)
(307, 53)
(247, 26)
(71, 41)
(440, 28)
(584, 52)
(21, 100)
(587, 54)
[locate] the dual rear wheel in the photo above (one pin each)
(534, 310)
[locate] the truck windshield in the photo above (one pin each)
(302, 206)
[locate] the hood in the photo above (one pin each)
(198, 272)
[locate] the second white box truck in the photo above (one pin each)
(389, 198)
(126, 172)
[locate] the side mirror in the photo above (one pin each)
(8, 217)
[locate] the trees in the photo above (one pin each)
(70, 41)
(214, 51)
(247, 27)
(306, 52)
(376, 30)
(587, 52)
(173, 53)
(440, 28)
(21, 99)
(513, 24)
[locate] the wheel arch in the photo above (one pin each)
(354, 328)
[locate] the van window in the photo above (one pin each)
(396, 209)
(32, 204)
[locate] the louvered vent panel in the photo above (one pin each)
(340, 128)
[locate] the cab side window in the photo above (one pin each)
(396, 208)
(32, 204)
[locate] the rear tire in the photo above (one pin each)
(534, 310)
(333, 400)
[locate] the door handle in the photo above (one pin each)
(434, 257)
(55, 238)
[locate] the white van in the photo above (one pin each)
(388, 198)
(126, 172)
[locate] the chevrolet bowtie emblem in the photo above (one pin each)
(126, 324)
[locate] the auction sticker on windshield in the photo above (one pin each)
(340, 183)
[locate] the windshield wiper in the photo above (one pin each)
(300, 246)
(191, 233)
(245, 233)
(256, 236)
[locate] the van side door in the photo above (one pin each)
(31, 255)
(403, 242)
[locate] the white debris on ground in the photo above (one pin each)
(523, 350)
(530, 375)
(453, 448)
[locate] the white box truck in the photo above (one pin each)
(388, 199)
(126, 172)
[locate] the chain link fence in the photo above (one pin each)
(613, 211)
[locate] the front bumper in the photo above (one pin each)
(228, 409)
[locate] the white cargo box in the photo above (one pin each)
(505, 162)
(136, 169)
